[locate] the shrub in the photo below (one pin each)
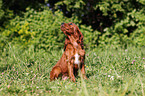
(130, 30)
(40, 29)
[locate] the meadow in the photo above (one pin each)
(110, 72)
(31, 43)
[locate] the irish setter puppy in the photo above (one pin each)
(73, 56)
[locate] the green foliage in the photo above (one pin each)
(11, 8)
(119, 33)
(125, 24)
(40, 29)
(115, 9)
(138, 36)
(1, 11)
(125, 20)
(90, 37)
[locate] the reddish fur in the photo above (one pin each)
(73, 44)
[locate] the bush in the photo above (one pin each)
(120, 22)
(130, 30)
(40, 29)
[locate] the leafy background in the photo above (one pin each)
(103, 22)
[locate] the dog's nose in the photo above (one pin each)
(62, 23)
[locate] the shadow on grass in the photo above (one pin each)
(31, 63)
(3, 68)
(89, 74)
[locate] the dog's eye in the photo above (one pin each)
(70, 24)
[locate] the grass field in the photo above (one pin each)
(110, 72)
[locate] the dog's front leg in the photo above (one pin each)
(83, 73)
(71, 71)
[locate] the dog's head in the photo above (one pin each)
(69, 28)
(72, 29)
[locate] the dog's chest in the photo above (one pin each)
(77, 59)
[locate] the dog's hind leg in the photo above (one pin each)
(55, 72)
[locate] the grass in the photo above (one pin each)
(110, 72)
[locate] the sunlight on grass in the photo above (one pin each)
(110, 72)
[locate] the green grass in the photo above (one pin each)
(110, 72)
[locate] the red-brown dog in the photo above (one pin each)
(73, 56)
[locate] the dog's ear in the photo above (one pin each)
(65, 32)
(66, 42)
(81, 37)
(80, 33)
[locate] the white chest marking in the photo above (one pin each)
(77, 61)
